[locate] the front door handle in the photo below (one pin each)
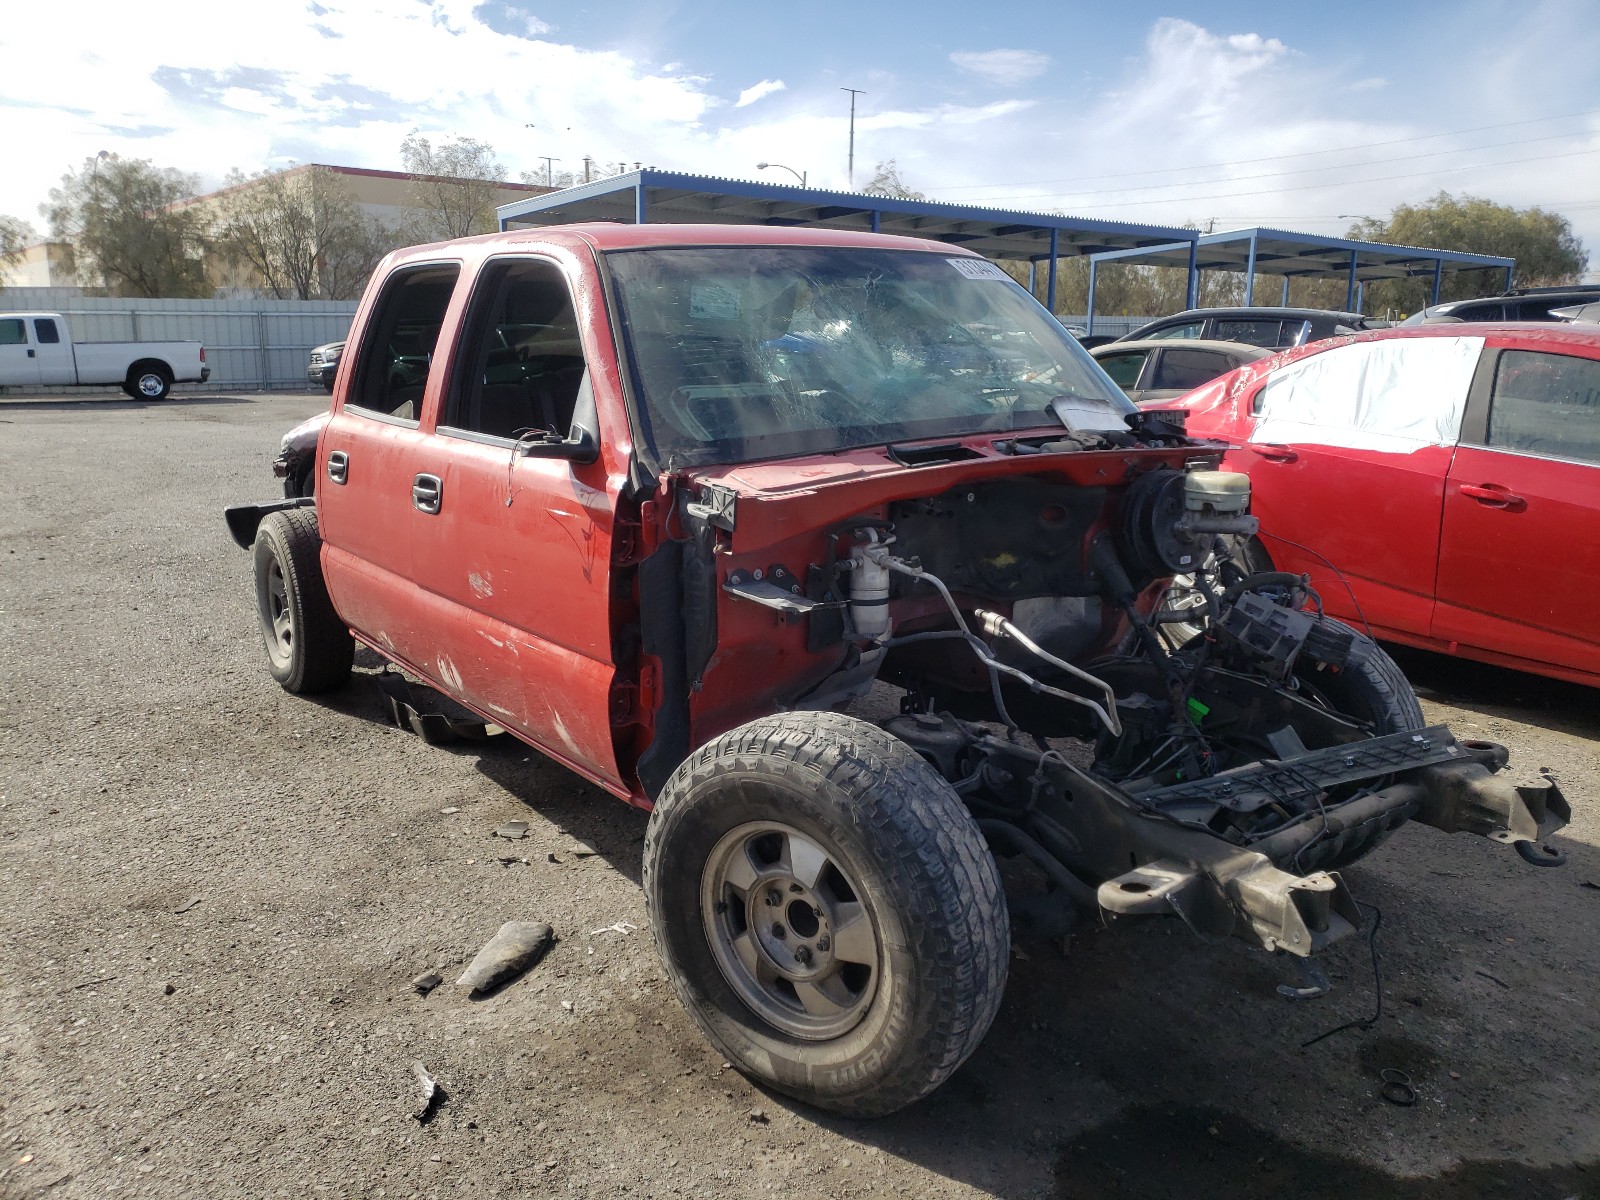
(427, 493)
(338, 466)
(1273, 452)
(1492, 495)
(31, 353)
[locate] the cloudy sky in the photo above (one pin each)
(1291, 115)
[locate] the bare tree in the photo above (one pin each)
(301, 233)
(454, 192)
(126, 224)
(886, 181)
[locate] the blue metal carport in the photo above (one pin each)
(1277, 252)
(670, 197)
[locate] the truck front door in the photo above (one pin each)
(513, 562)
(19, 363)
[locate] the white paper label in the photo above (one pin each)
(977, 268)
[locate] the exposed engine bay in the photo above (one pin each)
(1121, 701)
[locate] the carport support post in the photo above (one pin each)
(1350, 289)
(1033, 278)
(1509, 271)
(875, 220)
(1250, 273)
(1050, 288)
(1192, 297)
(1283, 300)
(1438, 278)
(639, 203)
(1361, 296)
(1093, 269)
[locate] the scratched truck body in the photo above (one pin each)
(668, 502)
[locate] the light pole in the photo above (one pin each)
(800, 175)
(854, 92)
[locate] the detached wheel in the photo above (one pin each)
(149, 381)
(309, 649)
(827, 911)
(1370, 688)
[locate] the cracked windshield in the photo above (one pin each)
(744, 353)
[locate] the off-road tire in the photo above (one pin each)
(919, 866)
(1371, 687)
(309, 649)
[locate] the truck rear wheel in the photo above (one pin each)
(148, 381)
(309, 649)
(827, 911)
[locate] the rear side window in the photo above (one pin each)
(13, 332)
(1489, 311)
(45, 330)
(1546, 404)
(397, 346)
(1254, 333)
(1124, 368)
(1188, 368)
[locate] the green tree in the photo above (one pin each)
(14, 236)
(454, 193)
(301, 234)
(128, 225)
(1542, 242)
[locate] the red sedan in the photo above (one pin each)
(1440, 484)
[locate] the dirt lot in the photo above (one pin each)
(214, 896)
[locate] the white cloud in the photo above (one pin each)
(1006, 68)
(755, 92)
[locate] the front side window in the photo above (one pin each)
(740, 353)
(13, 332)
(1546, 404)
(1189, 329)
(522, 363)
(1394, 395)
(397, 346)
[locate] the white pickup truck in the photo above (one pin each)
(36, 348)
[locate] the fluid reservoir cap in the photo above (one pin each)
(1220, 491)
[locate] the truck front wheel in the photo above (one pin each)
(309, 649)
(827, 911)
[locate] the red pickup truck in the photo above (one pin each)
(666, 501)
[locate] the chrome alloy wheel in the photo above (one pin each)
(789, 931)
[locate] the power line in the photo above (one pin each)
(1422, 137)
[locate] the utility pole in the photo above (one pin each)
(549, 174)
(854, 92)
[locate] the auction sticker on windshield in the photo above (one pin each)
(977, 268)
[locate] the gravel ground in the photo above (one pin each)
(214, 896)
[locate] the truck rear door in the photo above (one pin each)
(19, 361)
(369, 462)
(53, 351)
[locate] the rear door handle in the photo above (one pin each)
(338, 466)
(427, 493)
(1273, 452)
(1492, 495)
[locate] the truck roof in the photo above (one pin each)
(606, 235)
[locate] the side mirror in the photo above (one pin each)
(580, 446)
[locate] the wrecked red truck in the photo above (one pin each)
(668, 502)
